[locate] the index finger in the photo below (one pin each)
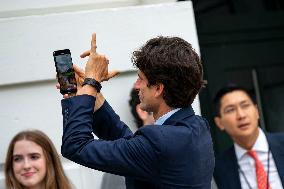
(94, 43)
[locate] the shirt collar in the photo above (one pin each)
(164, 117)
(260, 145)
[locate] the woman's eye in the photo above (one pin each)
(17, 159)
(34, 157)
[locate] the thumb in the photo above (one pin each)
(78, 71)
(84, 54)
(79, 80)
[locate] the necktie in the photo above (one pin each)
(261, 175)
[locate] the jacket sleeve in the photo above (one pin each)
(107, 124)
(134, 156)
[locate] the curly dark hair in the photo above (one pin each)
(172, 62)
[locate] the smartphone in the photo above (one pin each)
(65, 71)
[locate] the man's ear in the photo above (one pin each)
(159, 89)
(257, 111)
(218, 122)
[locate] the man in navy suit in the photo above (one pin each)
(174, 152)
(237, 168)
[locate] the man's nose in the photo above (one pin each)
(240, 113)
(137, 85)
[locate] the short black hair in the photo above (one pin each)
(228, 88)
(133, 102)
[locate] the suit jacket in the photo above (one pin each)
(226, 172)
(177, 154)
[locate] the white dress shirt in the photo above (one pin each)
(247, 164)
(164, 117)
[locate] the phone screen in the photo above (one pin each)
(65, 71)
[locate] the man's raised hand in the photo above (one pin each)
(97, 65)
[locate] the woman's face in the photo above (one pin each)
(29, 164)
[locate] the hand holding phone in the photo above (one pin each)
(65, 71)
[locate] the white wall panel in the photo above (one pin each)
(33, 5)
(37, 105)
(27, 42)
(13, 5)
(27, 95)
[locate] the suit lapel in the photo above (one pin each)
(277, 151)
(232, 164)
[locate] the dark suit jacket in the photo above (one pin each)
(226, 173)
(178, 154)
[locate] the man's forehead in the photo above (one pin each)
(141, 74)
(234, 97)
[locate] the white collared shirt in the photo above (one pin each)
(163, 118)
(247, 164)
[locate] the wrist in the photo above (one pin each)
(93, 83)
(93, 77)
(88, 90)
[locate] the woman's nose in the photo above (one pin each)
(27, 164)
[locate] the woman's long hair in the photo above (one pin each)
(55, 176)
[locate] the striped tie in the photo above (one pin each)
(261, 175)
